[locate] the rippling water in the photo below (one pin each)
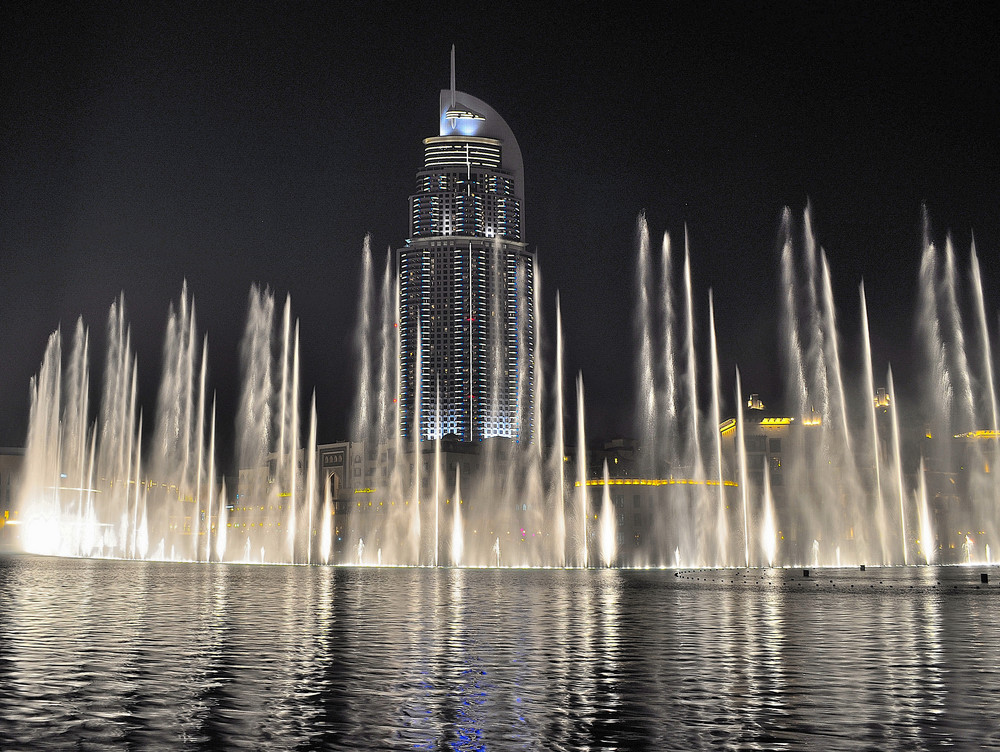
(126, 655)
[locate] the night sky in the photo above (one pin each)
(261, 142)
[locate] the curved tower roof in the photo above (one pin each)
(465, 115)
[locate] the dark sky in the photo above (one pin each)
(261, 142)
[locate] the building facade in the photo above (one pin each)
(467, 325)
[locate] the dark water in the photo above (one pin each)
(114, 655)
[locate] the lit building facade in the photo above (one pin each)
(467, 325)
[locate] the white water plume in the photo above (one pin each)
(607, 525)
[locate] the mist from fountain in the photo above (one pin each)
(516, 491)
(850, 482)
(91, 490)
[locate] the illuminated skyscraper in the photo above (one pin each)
(466, 283)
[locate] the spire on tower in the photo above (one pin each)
(453, 77)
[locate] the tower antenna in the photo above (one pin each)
(453, 76)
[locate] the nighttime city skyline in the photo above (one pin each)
(229, 149)
(500, 376)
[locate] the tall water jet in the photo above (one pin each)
(721, 524)
(255, 416)
(270, 457)
(118, 452)
(292, 446)
(992, 451)
(78, 441)
(646, 402)
(984, 334)
(939, 388)
(457, 535)
(363, 426)
(669, 401)
(581, 471)
(796, 338)
(416, 475)
(607, 527)
(362, 418)
(221, 539)
(311, 479)
(220, 511)
(200, 443)
(326, 527)
(769, 526)
(693, 460)
(897, 463)
(140, 530)
(965, 403)
(741, 449)
(558, 459)
(437, 470)
(118, 437)
(924, 512)
(816, 352)
(837, 436)
(44, 526)
(876, 451)
(538, 382)
(791, 340)
(174, 464)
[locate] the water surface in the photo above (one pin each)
(138, 655)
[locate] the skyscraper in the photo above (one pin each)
(466, 283)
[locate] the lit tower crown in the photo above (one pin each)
(466, 282)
